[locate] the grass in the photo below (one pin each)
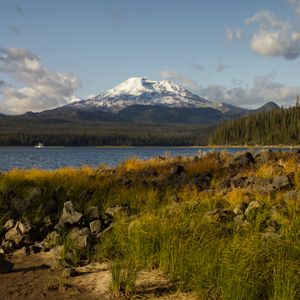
(170, 227)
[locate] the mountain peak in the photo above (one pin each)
(143, 91)
(136, 86)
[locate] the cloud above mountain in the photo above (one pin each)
(263, 89)
(274, 37)
(41, 88)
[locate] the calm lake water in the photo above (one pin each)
(52, 158)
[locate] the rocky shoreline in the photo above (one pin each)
(72, 221)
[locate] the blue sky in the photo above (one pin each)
(242, 52)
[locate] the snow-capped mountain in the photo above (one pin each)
(142, 91)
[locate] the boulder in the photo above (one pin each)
(25, 227)
(7, 246)
(112, 211)
(95, 227)
(265, 155)
(79, 237)
(281, 182)
(21, 233)
(257, 183)
(14, 235)
(9, 224)
(238, 180)
(69, 215)
(243, 160)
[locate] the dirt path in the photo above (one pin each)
(37, 276)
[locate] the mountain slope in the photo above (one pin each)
(141, 91)
(160, 114)
(266, 107)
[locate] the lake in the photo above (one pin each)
(52, 158)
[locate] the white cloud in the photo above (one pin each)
(229, 34)
(274, 37)
(296, 4)
(263, 89)
(43, 89)
(236, 33)
(239, 34)
(182, 79)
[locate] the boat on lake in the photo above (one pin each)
(39, 145)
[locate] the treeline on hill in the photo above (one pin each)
(279, 126)
(65, 133)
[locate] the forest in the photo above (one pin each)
(277, 127)
(60, 132)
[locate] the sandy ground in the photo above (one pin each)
(37, 276)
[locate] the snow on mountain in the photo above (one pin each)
(142, 91)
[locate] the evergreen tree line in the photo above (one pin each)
(279, 126)
(26, 139)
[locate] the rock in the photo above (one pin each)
(79, 237)
(14, 235)
(51, 240)
(176, 170)
(37, 247)
(112, 211)
(69, 215)
(243, 160)
(252, 207)
(25, 227)
(265, 155)
(238, 180)
(5, 265)
(7, 246)
(22, 233)
(57, 252)
(9, 224)
(257, 183)
(92, 213)
(281, 182)
(95, 227)
(49, 222)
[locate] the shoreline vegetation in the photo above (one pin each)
(296, 146)
(217, 226)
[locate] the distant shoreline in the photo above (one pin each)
(202, 147)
